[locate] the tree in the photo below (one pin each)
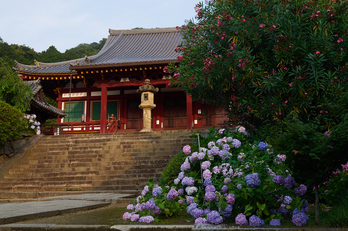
(13, 90)
(262, 60)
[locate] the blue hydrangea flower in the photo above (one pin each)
(207, 181)
(224, 189)
(197, 213)
(287, 200)
(210, 196)
(226, 147)
(172, 194)
(275, 222)
(256, 221)
(278, 179)
(299, 219)
(210, 188)
(253, 180)
(301, 190)
(263, 146)
(214, 218)
(239, 186)
(146, 219)
(150, 204)
(289, 182)
(236, 143)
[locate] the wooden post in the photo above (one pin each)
(189, 111)
(103, 108)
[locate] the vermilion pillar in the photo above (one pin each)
(189, 111)
(103, 108)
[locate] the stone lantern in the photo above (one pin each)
(147, 103)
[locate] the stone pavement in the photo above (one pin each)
(15, 212)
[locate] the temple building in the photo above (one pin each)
(99, 93)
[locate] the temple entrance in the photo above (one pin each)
(174, 112)
(134, 114)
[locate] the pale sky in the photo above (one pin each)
(65, 24)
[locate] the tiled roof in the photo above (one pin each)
(41, 103)
(121, 47)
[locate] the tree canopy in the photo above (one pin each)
(27, 55)
(261, 60)
(13, 90)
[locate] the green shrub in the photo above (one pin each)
(11, 123)
(338, 216)
(172, 169)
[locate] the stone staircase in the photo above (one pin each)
(122, 162)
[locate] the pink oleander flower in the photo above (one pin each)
(339, 40)
(262, 25)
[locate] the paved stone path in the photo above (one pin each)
(14, 212)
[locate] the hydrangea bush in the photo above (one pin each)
(31, 124)
(228, 178)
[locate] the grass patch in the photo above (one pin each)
(337, 217)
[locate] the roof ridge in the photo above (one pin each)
(144, 31)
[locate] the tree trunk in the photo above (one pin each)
(317, 209)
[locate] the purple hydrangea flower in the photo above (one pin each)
(226, 147)
(224, 189)
(263, 146)
(216, 170)
(300, 219)
(211, 144)
(206, 174)
(193, 157)
(256, 221)
(275, 222)
(156, 191)
(134, 217)
(191, 207)
(146, 219)
(126, 216)
(228, 211)
(201, 155)
(301, 190)
(227, 180)
(181, 175)
(145, 190)
(214, 151)
(239, 186)
(236, 143)
(190, 199)
(172, 194)
(241, 220)
(253, 180)
(181, 192)
(130, 207)
(230, 198)
(150, 204)
(210, 188)
(189, 181)
(187, 149)
(214, 218)
(156, 210)
(185, 166)
(207, 181)
(205, 165)
(278, 179)
(197, 213)
(224, 154)
(287, 200)
(283, 210)
(210, 196)
(289, 182)
(219, 142)
(200, 220)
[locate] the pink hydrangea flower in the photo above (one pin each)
(187, 149)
